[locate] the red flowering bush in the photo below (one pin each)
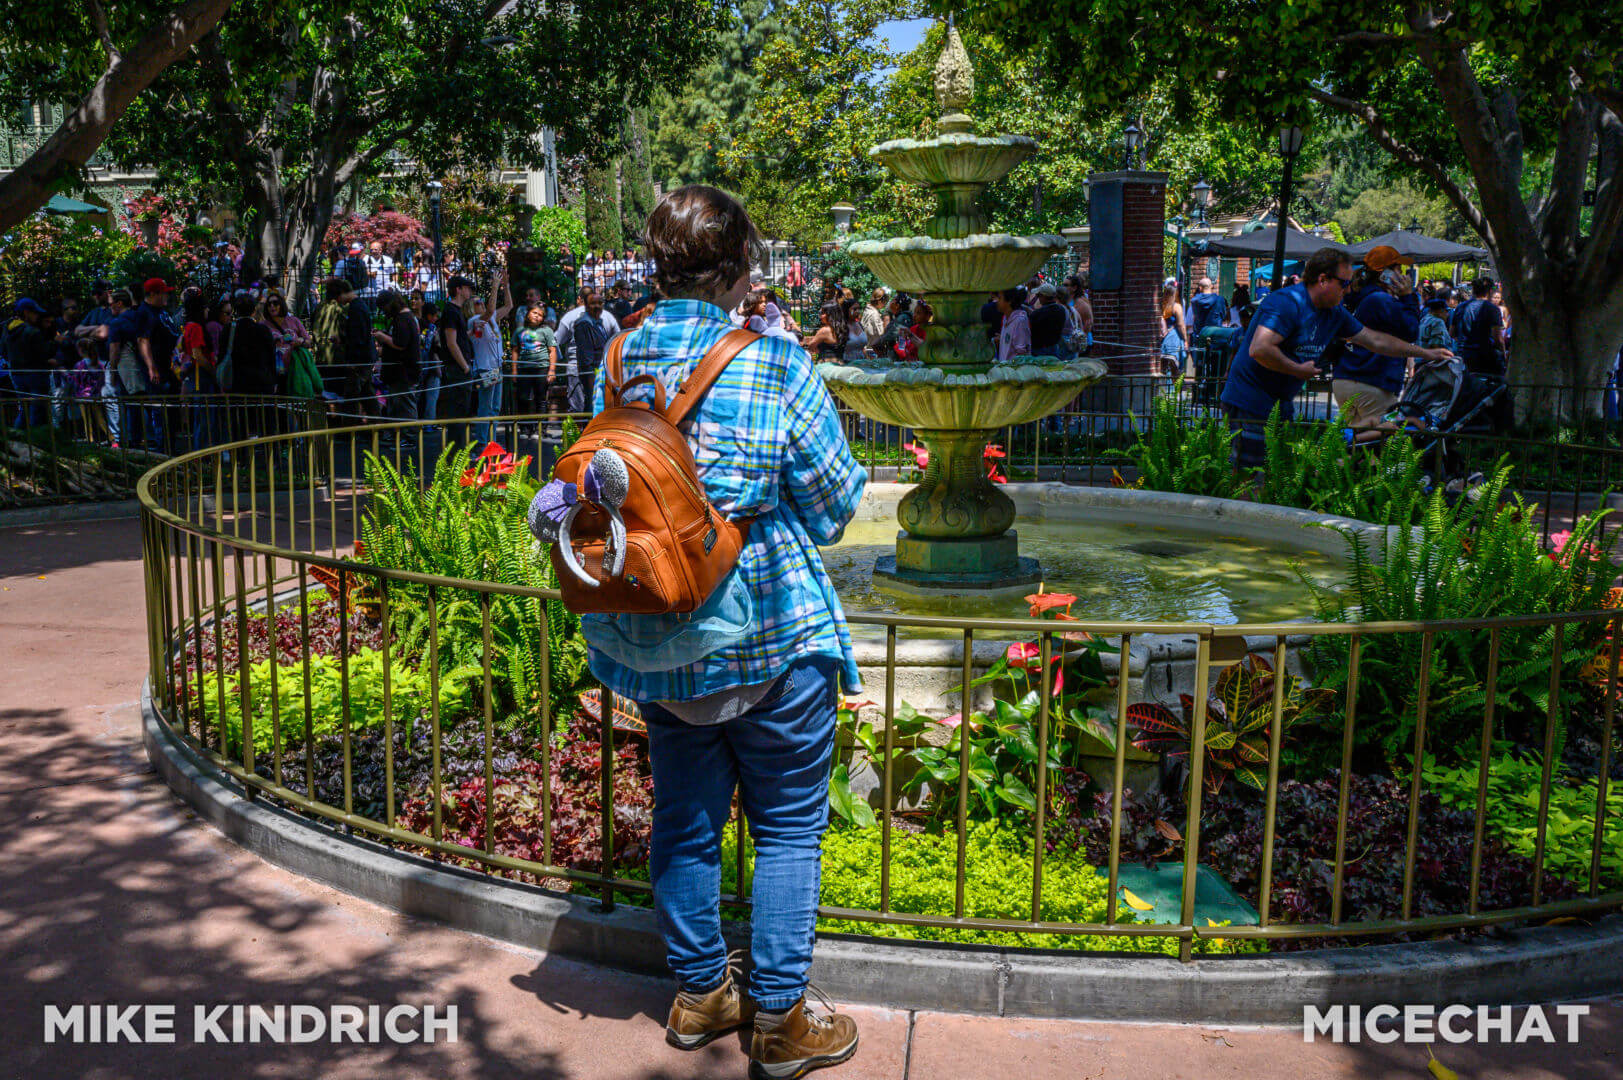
(172, 213)
(391, 228)
(518, 796)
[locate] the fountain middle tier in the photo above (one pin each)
(979, 263)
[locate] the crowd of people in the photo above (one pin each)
(116, 369)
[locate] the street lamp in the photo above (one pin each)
(1202, 192)
(1414, 226)
(1177, 259)
(1290, 144)
(1132, 138)
(434, 187)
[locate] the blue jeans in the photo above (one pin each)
(778, 756)
(488, 402)
(430, 387)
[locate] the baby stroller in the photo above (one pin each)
(1442, 399)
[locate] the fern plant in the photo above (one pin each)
(455, 527)
(1315, 468)
(1480, 559)
(1188, 455)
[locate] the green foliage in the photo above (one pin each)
(1315, 468)
(1003, 745)
(998, 885)
(283, 714)
(1480, 559)
(690, 125)
(1472, 108)
(142, 263)
(600, 204)
(356, 88)
(636, 180)
(1188, 455)
(477, 533)
(555, 226)
(1239, 719)
(1398, 205)
(839, 265)
(1311, 467)
(50, 256)
(1512, 813)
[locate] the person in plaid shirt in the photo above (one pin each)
(759, 714)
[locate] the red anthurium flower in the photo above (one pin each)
(921, 454)
(1021, 653)
(992, 475)
(951, 721)
(993, 451)
(1048, 601)
(492, 450)
(853, 706)
(1026, 656)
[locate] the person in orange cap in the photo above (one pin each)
(1366, 385)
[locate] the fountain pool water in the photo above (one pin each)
(1118, 571)
(1129, 556)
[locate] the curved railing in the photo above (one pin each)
(263, 525)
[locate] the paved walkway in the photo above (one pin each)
(111, 892)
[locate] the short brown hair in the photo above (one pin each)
(702, 241)
(1324, 263)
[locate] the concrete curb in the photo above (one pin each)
(1543, 963)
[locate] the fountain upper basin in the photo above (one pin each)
(932, 399)
(954, 158)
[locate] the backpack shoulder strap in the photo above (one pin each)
(613, 366)
(707, 371)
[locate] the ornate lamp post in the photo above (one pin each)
(1290, 144)
(1202, 193)
(1131, 139)
(434, 187)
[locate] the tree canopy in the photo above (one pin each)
(379, 85)
(95, 56)
(1469, 97)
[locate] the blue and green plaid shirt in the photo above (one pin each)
(768, 445)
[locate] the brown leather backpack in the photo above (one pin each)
(665, 546)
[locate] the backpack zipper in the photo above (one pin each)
(676, 469)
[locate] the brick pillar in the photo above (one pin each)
(1126, 316)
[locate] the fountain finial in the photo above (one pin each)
(954, 84)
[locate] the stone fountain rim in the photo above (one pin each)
(973, 242)
(1074, 371)
(954, 140)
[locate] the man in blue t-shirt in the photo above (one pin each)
(1282, 345)
(1206, 308)
(1479, 330)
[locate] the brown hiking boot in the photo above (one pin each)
(802, 1041)
(698, 1019)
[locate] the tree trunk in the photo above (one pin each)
(64, 154)
(1563, 345)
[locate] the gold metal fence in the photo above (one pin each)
(258, 525)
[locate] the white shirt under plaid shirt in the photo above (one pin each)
(768, 446)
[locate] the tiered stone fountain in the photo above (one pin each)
(956, 524)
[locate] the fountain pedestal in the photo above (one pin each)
(956, 534)
(956, 524)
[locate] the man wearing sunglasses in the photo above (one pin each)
(1282, 346)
